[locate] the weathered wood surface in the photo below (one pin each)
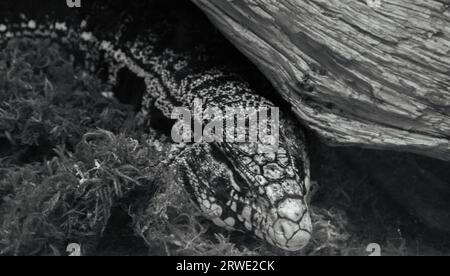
(356, 73)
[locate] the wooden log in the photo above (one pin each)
(372, 73)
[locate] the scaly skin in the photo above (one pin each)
(239, 186)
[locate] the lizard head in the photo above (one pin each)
(244, 187)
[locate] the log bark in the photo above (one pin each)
(372, 73)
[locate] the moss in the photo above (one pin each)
(66, 189)
(45, 102)
(70, 197)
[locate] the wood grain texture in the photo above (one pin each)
(376, 77)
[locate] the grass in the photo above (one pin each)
(74, 168)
